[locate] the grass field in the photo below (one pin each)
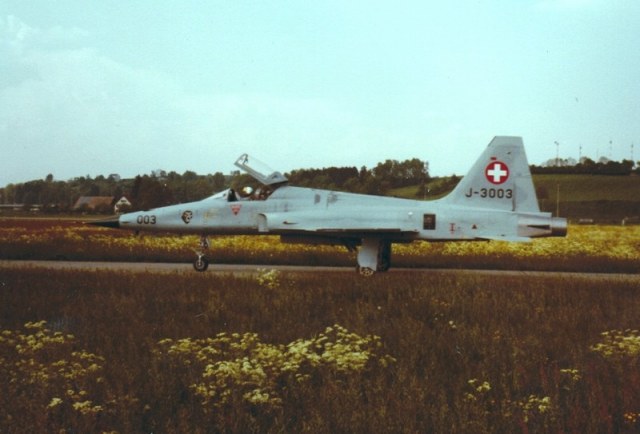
(98, 351)
(130, 352)
(590, 187)
(600, 198)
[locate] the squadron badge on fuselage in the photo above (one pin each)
(187, 216)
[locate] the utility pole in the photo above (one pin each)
(610, 149)
(580, 155)
(557, 153)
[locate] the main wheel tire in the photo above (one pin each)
(201, 264)
(365, 271)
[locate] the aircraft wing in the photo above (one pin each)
(327, 225)
(511, 238)
(365, 230)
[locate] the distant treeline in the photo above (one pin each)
(379, 180)
(144, 192)
(587, 166)
(161, 188)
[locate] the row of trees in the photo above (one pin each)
(379, 180)
(161, 188)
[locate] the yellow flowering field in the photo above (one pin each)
(586, 248)
(51, 386)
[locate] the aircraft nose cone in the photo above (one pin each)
(107, 223)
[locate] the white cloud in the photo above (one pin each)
(16, 36)
(67, 109)
(12, 28)
(70, 111)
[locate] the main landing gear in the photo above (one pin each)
(202, 263)
(374, 255)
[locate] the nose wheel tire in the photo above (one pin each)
(201, 263)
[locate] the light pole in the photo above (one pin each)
(580, 155)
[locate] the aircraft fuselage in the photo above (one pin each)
(294, 210)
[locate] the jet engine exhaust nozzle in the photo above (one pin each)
(558, 227)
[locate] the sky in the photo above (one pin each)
(129, 87)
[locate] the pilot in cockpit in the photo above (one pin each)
(248, 193)
(260, 193)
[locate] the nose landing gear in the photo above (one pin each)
(202, 263)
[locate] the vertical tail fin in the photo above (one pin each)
(500, 179)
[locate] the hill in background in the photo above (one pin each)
(600, 198)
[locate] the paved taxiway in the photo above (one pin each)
(156, 267)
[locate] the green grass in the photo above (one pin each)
(473, 354)
(588, 188)
(597, 198)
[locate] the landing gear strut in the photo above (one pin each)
(202, 263)
(374, 255)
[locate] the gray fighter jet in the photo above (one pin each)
(495, 201)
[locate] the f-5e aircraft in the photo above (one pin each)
(495, 201)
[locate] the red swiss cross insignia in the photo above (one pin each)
(496, 172)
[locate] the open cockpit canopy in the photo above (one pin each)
(260, 171)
